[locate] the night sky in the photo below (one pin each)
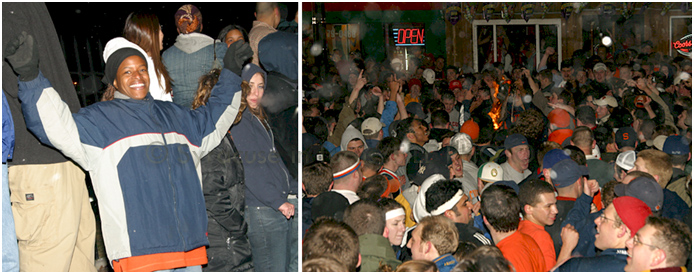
(103, 21)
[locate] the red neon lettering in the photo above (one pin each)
(410, 36)
(401, 36)
(680, 45)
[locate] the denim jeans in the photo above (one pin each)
(10, 251)
(274, 239)
(195, 268)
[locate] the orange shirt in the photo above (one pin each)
(523, 253)
(543, 240)
(161, 261)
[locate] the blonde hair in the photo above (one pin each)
(658, 163)
(441, 232)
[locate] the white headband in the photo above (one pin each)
(395, 213)
(450, 204)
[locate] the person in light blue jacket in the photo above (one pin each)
(194, 54)
(10, 250)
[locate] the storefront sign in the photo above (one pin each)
(684, 45)
(408, 36)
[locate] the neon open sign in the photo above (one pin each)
(408, 36)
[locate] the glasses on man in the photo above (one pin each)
(639, 242)
(603, 217)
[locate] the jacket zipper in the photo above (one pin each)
(272, 142)
(173, 187)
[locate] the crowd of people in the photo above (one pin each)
(581, 165)
(183, 151)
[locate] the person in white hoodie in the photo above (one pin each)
(143, 32)
(193, 55)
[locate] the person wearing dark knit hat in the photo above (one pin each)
(618, 223)
(518, 154)
(107, 138)
(193, 55)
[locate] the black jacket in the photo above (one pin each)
(35, 20)
(223, 188)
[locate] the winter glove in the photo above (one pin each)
(237, 54)
(22, 54)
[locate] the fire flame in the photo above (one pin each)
(496, 108)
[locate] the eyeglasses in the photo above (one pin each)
(639, 242)
(603, 217)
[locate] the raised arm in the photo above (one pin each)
(45, 113)
(223, 106)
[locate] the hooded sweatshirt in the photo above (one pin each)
(350, 133)
(192, 56)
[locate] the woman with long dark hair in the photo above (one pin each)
(143, 32)
(270, 189)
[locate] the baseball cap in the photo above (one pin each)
(444, 154)
(515, 140)
(470, 128)
(416, 109)
(433, 165)
(606, 100)
(566, 172)
(625, 160)
(659, 142)
(371, 126)
(560, 118)
(331, 204)
(599, 66)
(429, 75)
(625, 137)
(676, 145)
(553, 157)
(490, 172)
(632, 211)
(455, 84)
(462, 142)
(644, 189)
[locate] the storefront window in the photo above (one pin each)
(516, 42)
